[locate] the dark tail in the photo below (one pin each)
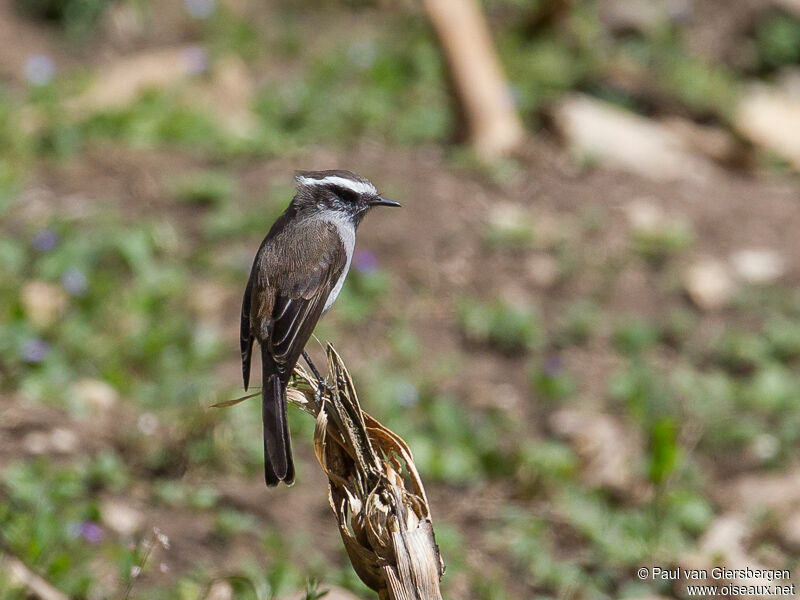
(278, 465)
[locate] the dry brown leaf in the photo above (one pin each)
(607, 449)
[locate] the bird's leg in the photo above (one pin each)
(310, 364)
(321, 383)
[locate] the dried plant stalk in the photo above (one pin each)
(375, 490)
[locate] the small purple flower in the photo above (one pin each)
(200, 9)
(35, 350)
(40, 69)
(195, 60)
(553, 366)
(91, 532)
(365, 261)
(75, 282)
(45, 240)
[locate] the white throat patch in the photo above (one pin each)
(359, 187)
(347, 232)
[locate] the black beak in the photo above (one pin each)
(381, 201)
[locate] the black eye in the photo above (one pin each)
(346, 194)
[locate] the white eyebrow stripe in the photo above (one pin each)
(358, 187)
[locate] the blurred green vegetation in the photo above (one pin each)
(500, 325)
(136, 302)
(75, 17)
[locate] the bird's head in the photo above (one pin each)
(341, 192)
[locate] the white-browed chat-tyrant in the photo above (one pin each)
(297, 274)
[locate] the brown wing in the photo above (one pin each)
(290, 286)
(246, 333)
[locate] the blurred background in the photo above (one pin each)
(590, 343)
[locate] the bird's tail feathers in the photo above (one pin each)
(278, 464)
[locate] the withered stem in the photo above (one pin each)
(383, 515)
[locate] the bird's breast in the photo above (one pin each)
(347, 233)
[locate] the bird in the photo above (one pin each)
(296, 275)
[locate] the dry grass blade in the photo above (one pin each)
(374, 489)
(235, 401)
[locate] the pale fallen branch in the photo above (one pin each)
(375, 490)
(21, 575)
(495, 128)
